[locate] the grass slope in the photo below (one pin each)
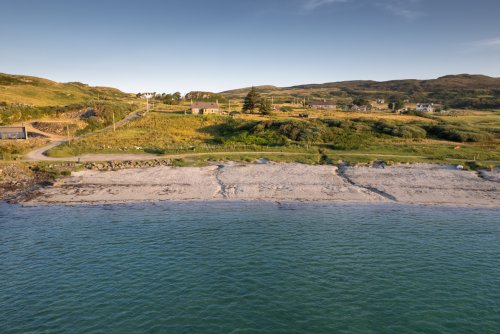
(354, 139)
(20, 89)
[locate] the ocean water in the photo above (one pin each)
(249, 268)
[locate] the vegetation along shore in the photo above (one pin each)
(336, 136)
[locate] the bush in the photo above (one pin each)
(403, 131)
(410, 131)
(349, 141)
(458, 133)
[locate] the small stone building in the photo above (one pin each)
(205, 108)
(13, 132)
(323, 105)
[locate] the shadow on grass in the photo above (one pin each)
(157, 151)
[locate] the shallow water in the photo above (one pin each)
(249, 268)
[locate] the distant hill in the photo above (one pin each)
(205, 96)
(464, 90)
(21, 89)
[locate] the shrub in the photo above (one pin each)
(349, 140)
(409, 131)
(403, 131)
(457, 133)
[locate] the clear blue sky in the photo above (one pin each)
(213, 45)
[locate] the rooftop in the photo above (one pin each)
(204, 105)
(11, 129)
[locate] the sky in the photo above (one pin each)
(216, 45)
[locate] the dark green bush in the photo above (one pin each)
(349, 141)
(458, 133)
(403, 131)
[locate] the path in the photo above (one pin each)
(39, 154)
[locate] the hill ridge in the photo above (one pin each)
(31, 90)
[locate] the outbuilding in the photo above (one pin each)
(323, 105)
(13, 132)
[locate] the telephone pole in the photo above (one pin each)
(148, 96)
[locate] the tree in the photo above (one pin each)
(168, 99)
(265, 107)
(396, 103)
(360, 102)
(172, 98)
(251, 101)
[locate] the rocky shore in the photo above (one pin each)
(123, 182)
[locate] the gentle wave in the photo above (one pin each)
(249, 268)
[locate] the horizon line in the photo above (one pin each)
(257, 86)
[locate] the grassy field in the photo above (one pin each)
(331, 136)
(14, 149)
(323, 136)
(26, 90)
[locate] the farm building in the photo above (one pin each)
(323, 105)
(13, 132)
(205, 108)
(426, 107)
(353, 107)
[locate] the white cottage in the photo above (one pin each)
(425, 107)
(205, 108)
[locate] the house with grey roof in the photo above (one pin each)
(205, 108)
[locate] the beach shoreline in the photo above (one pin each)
(417, 184)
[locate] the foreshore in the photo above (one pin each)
(404, 183)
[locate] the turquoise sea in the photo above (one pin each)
(249, 268)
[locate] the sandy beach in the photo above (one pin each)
(408, 184)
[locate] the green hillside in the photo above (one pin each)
(24, 98)
(457, 91)
(26, 90)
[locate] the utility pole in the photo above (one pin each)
(114, 125)
(148, 96)
(229, 111)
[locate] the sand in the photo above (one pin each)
(429, 184)
(407, 184)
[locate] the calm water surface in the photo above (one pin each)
(249, 268)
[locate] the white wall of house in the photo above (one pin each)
(425, 107)
(204, 111)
